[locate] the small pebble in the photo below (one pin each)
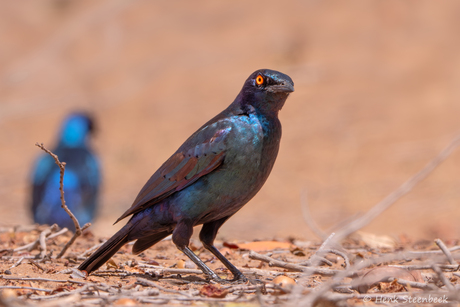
(7, 272)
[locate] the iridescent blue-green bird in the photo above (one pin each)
(209, 178)
(81, 179)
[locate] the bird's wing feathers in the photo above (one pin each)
(181, 170)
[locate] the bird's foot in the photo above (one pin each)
(238, 278)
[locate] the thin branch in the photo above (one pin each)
(404, 189)
(445, 250)
(17, 263)
(78, 229)
(442, 277)
(31, 246)
(36, 265)
(39, 279)
(290, 266)
(321, 290)
(308, 218)
(26, 288)
(74, 237)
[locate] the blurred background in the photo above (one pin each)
(377, 97)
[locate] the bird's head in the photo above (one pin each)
(75, 129)
(266, 90)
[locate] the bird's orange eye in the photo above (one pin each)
(259, 80)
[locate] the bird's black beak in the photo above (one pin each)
(285, 87)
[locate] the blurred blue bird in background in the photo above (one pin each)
(81, 178)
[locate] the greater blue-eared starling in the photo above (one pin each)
(215, 172)
(81, 178)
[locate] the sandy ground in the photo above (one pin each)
(377, 96)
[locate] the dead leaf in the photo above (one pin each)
(391, 287)
(230, 245)
(213, 291)
(152, 262)
(259, 246)
(111, 264)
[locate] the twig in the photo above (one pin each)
(31, 246)
(39, 279)
(420, 254)
(26, 288)
(36, 265)
(426, 266)
(315, 259)
(335, 280)
(42, 239)
(17, 263)
(404, 189)
(163, 271)
(446, 251)
(442, 277)
(78, 229)
(290, 266)
(308, 218)
(74, 237)
(340, 254)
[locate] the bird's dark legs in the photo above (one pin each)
(207, 235)
(187, 251)
(181, 237)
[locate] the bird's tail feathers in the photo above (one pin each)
(106, 251)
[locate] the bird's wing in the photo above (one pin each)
(181, 170)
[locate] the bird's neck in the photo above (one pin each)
(264, 105)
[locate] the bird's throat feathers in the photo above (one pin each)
(268, 104)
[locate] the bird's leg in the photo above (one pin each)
(207, 235)
(181, 238)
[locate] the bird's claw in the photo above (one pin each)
(238, 278)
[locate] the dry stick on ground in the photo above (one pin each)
(42, 239)
(26, 288)
(299, 268)
(78, 229)
(322, 289)
(31, 246)
(442, 277)
(444, 249)
(17, 263)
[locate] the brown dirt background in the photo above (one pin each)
(377, 96)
